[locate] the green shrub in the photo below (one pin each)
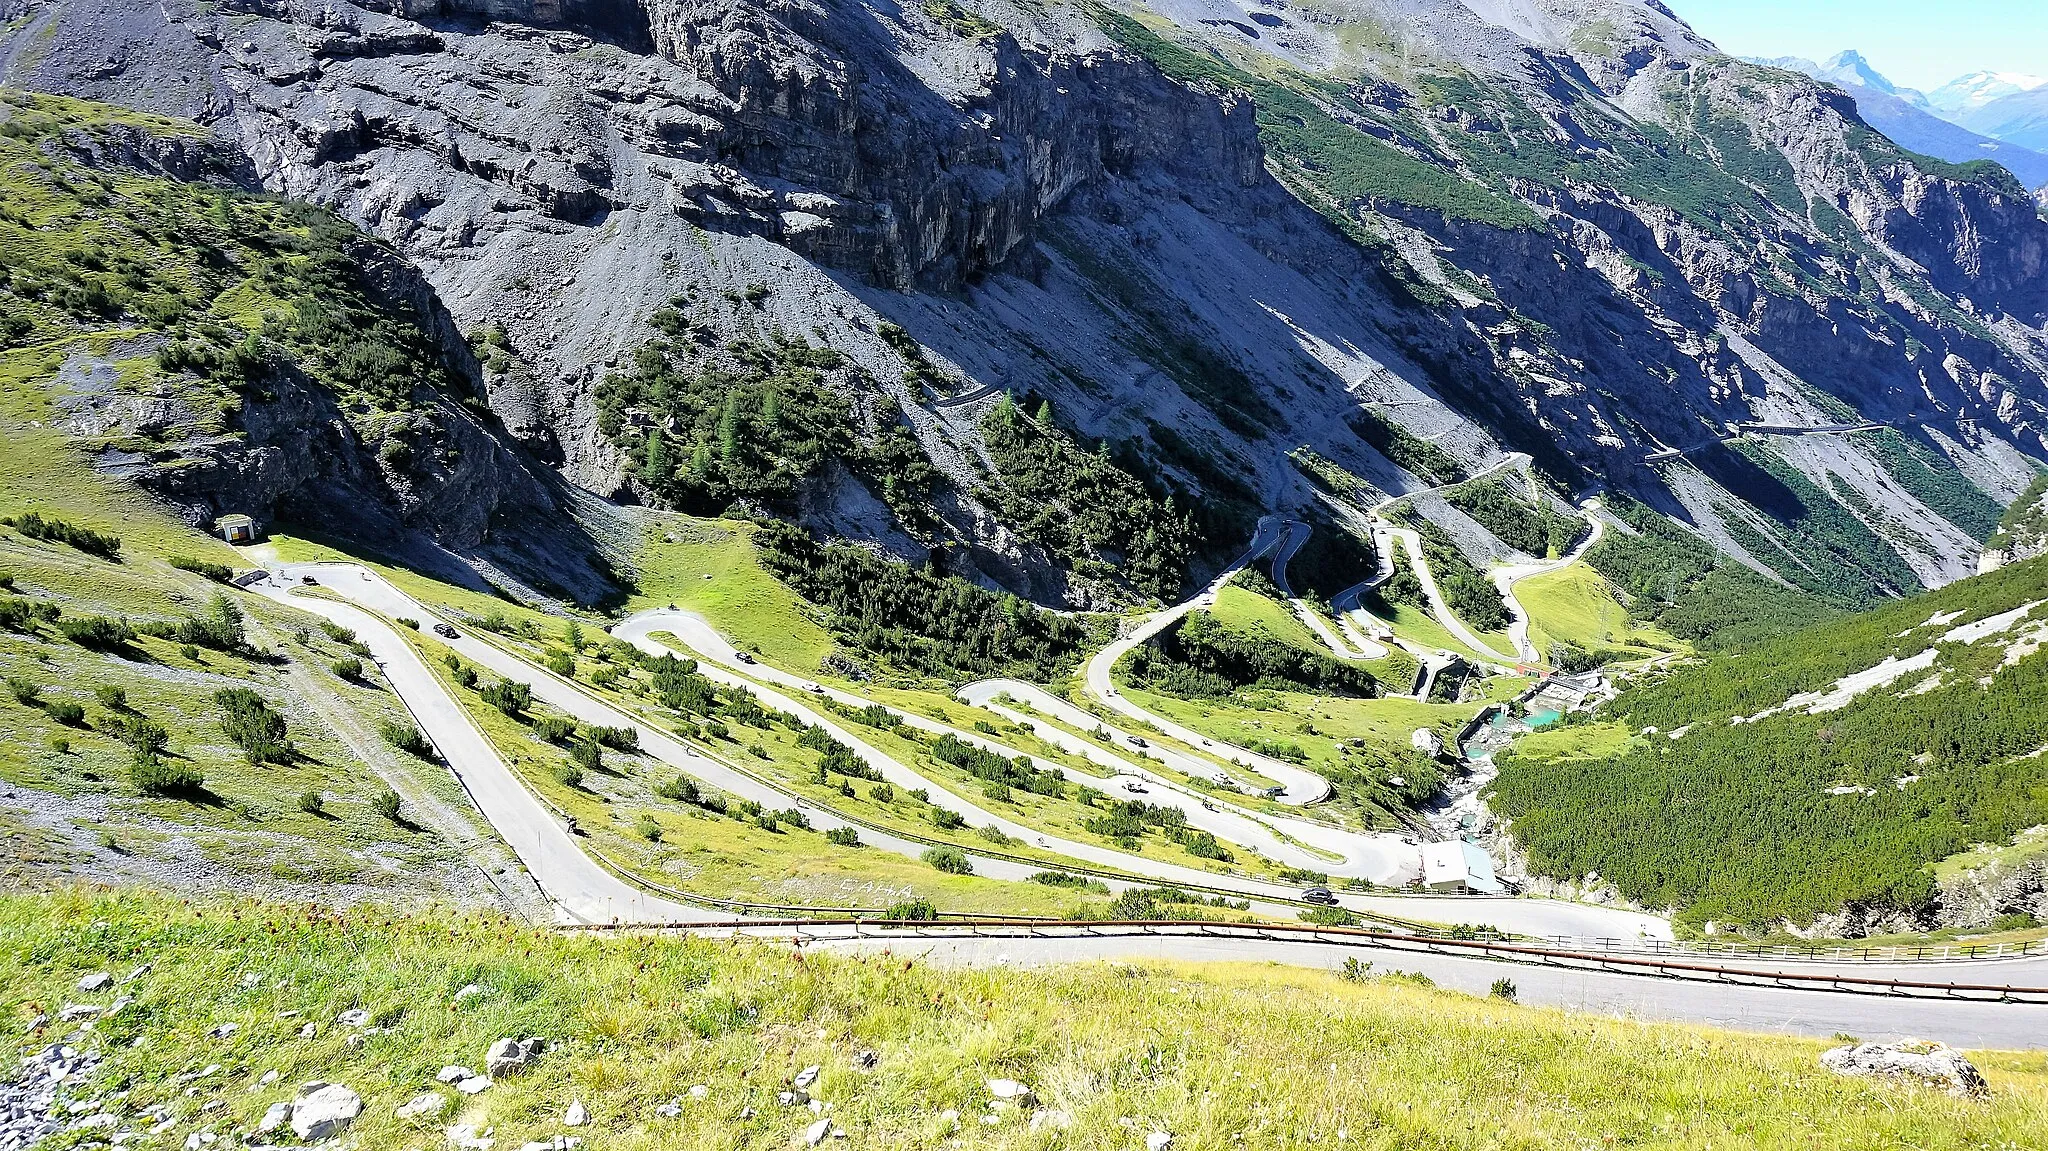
(553, 728)
(588, 755)
(218, 573)
(26, 692)
(626, 739)
(153, 775)
(949, 859)
(681, 788)
(386, 803)
(1069, 880)
(142, 735)
(66, 712)
(406, 621)
(253, 724)
(348, 667)
(566, 774)
(35, 527)
(311, 803)
(406, 738)
(96, 631)
(648, 828)
(509, 697)
(1503, 989)
(1330, 916)
(111, 696)
(914, 911)
(22, 615)
(843, 837)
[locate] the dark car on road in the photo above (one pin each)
(444, 631)
(1318, 895)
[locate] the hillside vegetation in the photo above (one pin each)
(1739, 808)
(635, 1024)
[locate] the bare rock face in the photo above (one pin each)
(1648, 242)
(1931, 1063)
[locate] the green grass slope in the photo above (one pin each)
(1218, 1057)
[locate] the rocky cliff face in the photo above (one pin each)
(1568, 227)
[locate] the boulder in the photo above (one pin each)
(816, 1132)
(1009, 1092)
(275, 1117)
(577, 1116)
(454, 1073)
(97, 981)
(353, 1017)
(509, 1056)
(807, 1076)
(427, 1105)
(1158, 1141)
(1935, 1064)
(323, 1110)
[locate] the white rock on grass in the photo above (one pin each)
(699, 1091)
(1009, 1093)
(1158, 1141)
(97, 981)
(223, 1030)
(454, 1073)
(276, 1116)
(816, 1132)
(807, 1076)
(72, 1012)
(427, 1105)
(509, 1056)
(309, 1031)
(1050, 1119)
(1933, 1063)
(577, 1116)
(353, 1017)
(469, 992)
(474, 1085)
(323, 1110)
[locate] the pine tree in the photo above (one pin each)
(729, 427)
(655, 471)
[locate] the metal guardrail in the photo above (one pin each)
(1361, 937)
(1813, 953)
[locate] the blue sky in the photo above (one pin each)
(1918, 43)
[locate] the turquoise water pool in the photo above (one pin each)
(1541, 718)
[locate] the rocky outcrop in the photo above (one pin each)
(1049, 212)
(1934, 1064)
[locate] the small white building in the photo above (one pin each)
(1458, 865)
(236, 528)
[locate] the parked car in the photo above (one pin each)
(444, 631)
(1320, 895)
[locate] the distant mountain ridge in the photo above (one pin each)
(1953, 124)
(1965, 94)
